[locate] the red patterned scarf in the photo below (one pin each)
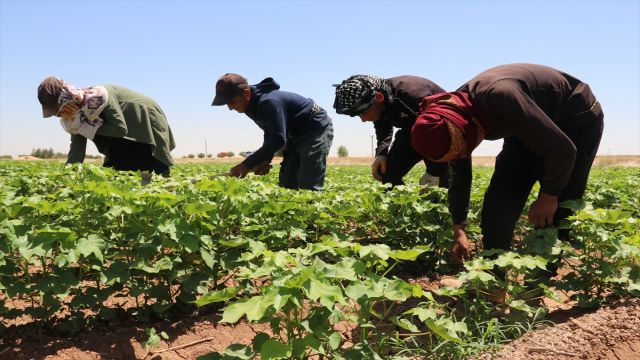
(449, 127)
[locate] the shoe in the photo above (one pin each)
(145, 178)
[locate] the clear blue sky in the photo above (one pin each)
(174, 51)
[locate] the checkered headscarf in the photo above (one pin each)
(356, 94)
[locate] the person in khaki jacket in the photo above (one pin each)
(128, 128)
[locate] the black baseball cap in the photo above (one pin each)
(227, 87)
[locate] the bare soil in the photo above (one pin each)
(612, 332)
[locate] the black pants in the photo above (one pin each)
(126, 155)
(516, 171)
(402, 158)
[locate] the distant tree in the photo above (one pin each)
(201, 155)
(221, 154)
(191, 156)
(231, 154)
(209, 155)
(43, 153)
(9, 157)
(245, 154)
(342, 151)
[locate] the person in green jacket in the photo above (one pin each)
(128, 128)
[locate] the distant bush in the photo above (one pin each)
(5, 157)
(231, 154)
(47, 154)
(342, 151)
(191, 156)
(201, 155)
(209, 155)
(245, 154)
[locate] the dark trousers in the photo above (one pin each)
(304, 162)
(126, 155)
(402, 158)
(516, 171)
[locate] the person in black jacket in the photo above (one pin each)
(551, 124)
(288, 120)
(390, 103)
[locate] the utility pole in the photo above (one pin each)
(205, 149)
(372, 148)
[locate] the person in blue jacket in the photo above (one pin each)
(290, 122)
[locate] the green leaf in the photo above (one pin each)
(356, 291)
(335, 339)
(254, 308)
(237, 352)
(217, 296)
(208, 258)
(273, 349)
(92, 244)
(326, 293)
(379, 250)
(300, 346)
(407, 255)
(259, 340)
(522, 306)
(425, 314)
(118, 272)
(297, 233)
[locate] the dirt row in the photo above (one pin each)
(610, 333)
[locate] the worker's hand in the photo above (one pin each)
(239, 170)
(461, 248)
(379, 167)
(542, 210)
(68, 111)
(263, 168)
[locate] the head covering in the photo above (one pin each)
(90, 101)
(48, 93)
(356, 94)
(228, 86)
(448, 127)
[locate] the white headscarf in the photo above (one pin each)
(91, 101)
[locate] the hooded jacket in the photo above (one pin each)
(280, 114)
(407, 92)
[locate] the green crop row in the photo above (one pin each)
(311, 264)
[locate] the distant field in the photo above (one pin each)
(623, 160)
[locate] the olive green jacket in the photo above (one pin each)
(132, 116)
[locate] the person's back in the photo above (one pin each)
(269, 99)
(562, 97)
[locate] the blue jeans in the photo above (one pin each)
(304, 162)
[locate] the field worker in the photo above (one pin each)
(288, 120)
(128, 128)
(551, 124)
(390, 103)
